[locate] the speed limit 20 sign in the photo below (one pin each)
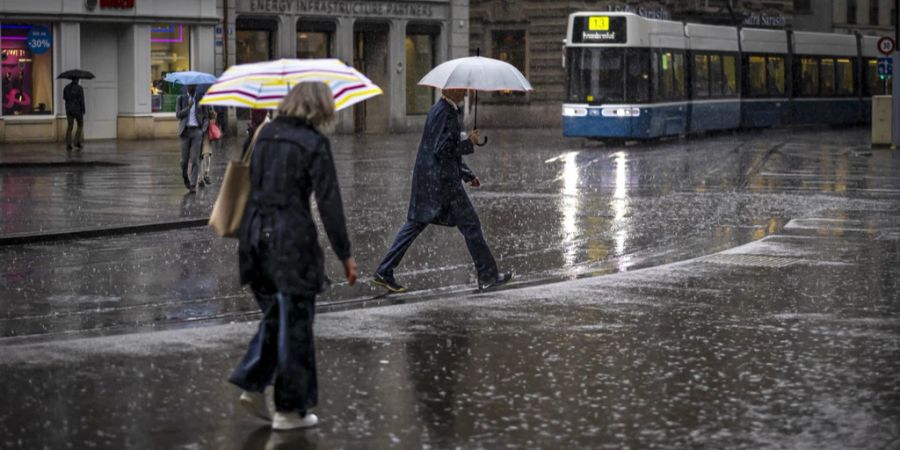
(886, 46)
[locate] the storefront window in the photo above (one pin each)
(510, 46)
(26, 68)
(254, 40)
(314, 39)
(419, 60)
(170, 51)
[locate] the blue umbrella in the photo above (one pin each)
(190, 77)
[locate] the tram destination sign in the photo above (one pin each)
(599, 30)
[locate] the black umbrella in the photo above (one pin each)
(76, 74)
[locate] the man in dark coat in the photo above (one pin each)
(73, 94)
(439, 197)
(193, 121)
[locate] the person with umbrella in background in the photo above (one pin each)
(73, 95)
(193, 121)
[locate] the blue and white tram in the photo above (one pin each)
(765, 100)
(825, 88)
(713, 87)
(612, 60)
(630, 77)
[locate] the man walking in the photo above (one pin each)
(192, 125)
(73, 94)
(438, 196)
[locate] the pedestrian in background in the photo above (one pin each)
(439, 197)
(206, 150)
(280, 257)
(73, 95)
(192, 125)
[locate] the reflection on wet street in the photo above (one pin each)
(551, 209)
(751, 299)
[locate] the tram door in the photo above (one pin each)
(370, 56)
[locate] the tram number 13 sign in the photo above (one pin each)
(886, 46)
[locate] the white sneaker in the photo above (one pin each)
(255, 403)
(290, 421)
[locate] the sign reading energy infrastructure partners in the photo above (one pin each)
(599, 30)
(342, 8)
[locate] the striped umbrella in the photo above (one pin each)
(263, 85)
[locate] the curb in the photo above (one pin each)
(101, 232)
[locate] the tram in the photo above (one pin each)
(630, 77)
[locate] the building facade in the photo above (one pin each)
(395, 43)
(869, 17)
(127, 44)
(130, 45)
(529, 34)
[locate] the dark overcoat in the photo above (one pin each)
(73, 95)
(278, 240)
(438, 196)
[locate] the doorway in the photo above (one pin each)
(100, 56)
(371, 56)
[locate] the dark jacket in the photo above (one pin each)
(73, 94)
(438, 195)
(182, 111)
(278, 238)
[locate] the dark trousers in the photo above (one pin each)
(485, 265)
(283, 350)
(72, 119)
(191, 141)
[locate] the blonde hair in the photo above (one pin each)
(310, 101)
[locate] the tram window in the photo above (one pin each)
(654, 76)
(637, 83)
(701, 76)
(596, 75)
(809, 76)
(775, 74)
(679, 76)
(827, 72)
(715, 76)
(666, 79)
(756, 75)
(730, 71)
(844, 77)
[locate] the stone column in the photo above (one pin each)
(286, 46)
(397, 74)
(67, 45)
(343, 50)
(134, 120)
(459, 29)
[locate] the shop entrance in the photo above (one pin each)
(99, 55)
(370, 56)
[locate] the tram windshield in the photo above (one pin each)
(608, 74)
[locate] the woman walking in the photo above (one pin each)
(280, 257)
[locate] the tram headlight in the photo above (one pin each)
(621, 111)
(574, 111)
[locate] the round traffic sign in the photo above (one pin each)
(886, 45)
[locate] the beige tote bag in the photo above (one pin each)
(228, 211)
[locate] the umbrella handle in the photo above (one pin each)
(482, 143)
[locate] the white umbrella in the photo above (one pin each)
(477, 73)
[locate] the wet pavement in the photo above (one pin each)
(552, 209)
(732, 291)
(791, 341)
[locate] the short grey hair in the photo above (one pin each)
(310, 101)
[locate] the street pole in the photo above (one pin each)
(895, 81)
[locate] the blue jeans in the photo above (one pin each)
(485, 265)
(282, 351)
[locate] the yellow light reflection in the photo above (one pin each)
(569, 209)
(619, 206)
